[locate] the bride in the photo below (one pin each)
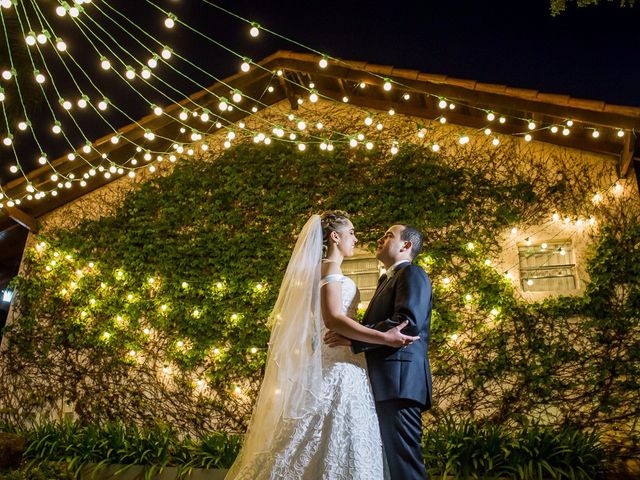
(315, 417)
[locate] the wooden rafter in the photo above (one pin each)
(24, 219)
(458, 118)
(630, 152)
(291, 96)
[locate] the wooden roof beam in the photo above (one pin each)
(630, 152)
(458, 118)
(288, 90)
(476, 98)
(24, 219)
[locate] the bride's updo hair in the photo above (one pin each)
(332, 221)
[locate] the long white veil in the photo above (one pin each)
(293, 374)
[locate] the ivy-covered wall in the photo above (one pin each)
(156, 310)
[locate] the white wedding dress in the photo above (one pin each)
(339, 439)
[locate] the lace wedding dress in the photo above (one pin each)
(339, 439)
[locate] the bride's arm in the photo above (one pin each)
(335, 320)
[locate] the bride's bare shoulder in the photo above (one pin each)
(330, 268)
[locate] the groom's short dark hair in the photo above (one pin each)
(413, 235)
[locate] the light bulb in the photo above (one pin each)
(74, 12)
(502, 119)
(554, 129)
(22, 125)
(464, 140)
(595, 134)
(435, 147)
(130, 73)
(442, 104)
(406, 96)
(102, 105)
(313, 98)
(40, 78)
(152, 62)
(166, 53)
(237, 97)
(245, 67)
(491, 116)
(254, 31)
(618, 188)
(146, 73)
(387, 85)
(157, 110)
(528, 138)
(30, 39)
(532, 125)
(169, 22)
(67, 105)
(61, 11)
(105, 64)
(42, 38)
(323, 63)
(620, 133)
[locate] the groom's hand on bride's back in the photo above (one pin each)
(334, 339)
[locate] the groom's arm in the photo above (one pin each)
(413, 290)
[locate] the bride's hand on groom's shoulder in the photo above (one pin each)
(333, 339)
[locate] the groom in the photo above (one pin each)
(400, 378)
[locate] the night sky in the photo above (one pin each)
(589, 52)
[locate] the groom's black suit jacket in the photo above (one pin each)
(400, 373)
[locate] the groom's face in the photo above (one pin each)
(390, 245)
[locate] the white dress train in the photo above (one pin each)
(340, 438)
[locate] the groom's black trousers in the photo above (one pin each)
(401, 431)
